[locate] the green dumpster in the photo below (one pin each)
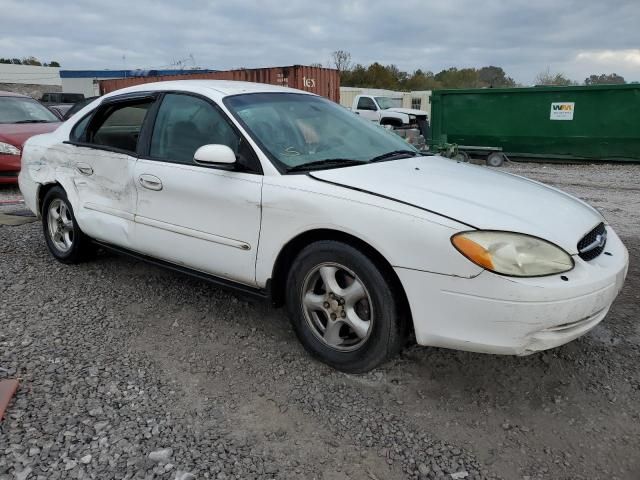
(600, 122)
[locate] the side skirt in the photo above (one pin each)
(245, 290)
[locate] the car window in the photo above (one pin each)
(72, 97)
(298, 129)
(118, 125)
(24, 110)
(365, 103)
(185, 123)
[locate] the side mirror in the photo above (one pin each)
(214, 155)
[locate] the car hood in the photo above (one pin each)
(408, 111)
(473, 195)
(18, 133)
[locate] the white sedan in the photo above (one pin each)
(285, 195)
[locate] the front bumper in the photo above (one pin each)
(505, 315)
(9, 168)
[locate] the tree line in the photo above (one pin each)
(29, 61)
(390, 77)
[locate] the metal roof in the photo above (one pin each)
(125, 73)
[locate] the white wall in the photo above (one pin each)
(88, 86)
(28, 74)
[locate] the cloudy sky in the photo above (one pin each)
(577, 37)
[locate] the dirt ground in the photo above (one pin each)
(119, 360)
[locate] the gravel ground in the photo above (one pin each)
(131, 371)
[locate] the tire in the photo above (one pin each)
(65, 240)
(367, 329)
(461, 157)
(495, 159)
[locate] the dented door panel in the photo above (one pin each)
(103, 182)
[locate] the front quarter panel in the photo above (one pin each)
(406, 236)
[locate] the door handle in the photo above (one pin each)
(84, 169)
(150, 182)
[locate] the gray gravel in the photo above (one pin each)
(131, 371)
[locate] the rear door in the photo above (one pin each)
(203, 217)
(103, 153)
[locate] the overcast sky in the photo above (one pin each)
(577, 37)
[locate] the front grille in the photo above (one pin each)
(9, 174)
(593, 243)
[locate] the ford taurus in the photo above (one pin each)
(285, 195)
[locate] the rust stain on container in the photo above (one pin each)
(321, 81)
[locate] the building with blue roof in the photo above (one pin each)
(86, 81)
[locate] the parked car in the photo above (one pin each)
(20, 118)
(285, 195)
(389, 111)
(59, 110)
(58, 98)
(77, 107)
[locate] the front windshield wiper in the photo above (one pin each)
(32, 121)
(393, 155)
(326, 163)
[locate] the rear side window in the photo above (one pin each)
(184, 124)
(118, 125)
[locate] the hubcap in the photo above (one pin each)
(337, 307)
(60, 225)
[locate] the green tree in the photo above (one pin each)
(459, 78)
(54, 64)
(602, 79)
(31, 61)
(494, 77)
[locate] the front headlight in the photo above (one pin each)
(512, 254)
(8, 149)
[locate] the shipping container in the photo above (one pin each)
(600, 122)
(321, 81)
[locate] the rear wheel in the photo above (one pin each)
(65, 240)
(495, 159)
(461, 156)
(341, 307)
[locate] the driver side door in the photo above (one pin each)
(203, 217)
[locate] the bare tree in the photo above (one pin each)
(341, 60)
(546, 77)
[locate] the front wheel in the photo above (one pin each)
(65, 240)
(341, 307)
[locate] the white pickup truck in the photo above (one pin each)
(389, 111)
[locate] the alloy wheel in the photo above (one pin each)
(60, 225)
(337, 307)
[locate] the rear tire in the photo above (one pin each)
(342, 309)
(495, 159)
(65, 240)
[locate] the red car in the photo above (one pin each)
(21, 117)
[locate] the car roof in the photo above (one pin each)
(12, 94)
(218, 88)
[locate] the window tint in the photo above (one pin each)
(185, 123)
(365, 103)
(119, 125)
(78, 132)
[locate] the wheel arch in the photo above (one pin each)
(393, 121)
(41, 192)
(294, 246)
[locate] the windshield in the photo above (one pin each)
(24, 110)
(297, 129)
(388, 102)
